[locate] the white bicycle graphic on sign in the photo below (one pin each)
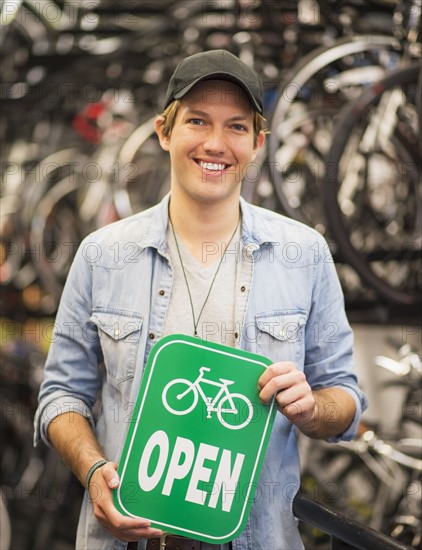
(234, 410)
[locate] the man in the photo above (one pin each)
(205, 263)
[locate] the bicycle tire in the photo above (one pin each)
(191, 387)
(347, 123)
(140, 181)
(354, 481)
(246, 419)
(294, 84)
(55, 234)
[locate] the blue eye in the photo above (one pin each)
(240, 127)
(196, 121)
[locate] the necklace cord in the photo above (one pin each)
(196, 321)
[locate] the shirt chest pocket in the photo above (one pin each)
(280, 335)
(119, 334)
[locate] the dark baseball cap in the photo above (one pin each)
(214, 64)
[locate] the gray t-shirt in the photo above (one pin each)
(223, 313)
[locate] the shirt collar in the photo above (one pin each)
(155, 235)
(255, 229)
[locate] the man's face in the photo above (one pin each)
(212, 142)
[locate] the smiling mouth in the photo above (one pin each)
(213, 166)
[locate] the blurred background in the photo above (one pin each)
(80, 84)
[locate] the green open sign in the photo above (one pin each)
(196, 440)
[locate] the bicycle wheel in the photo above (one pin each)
(300, 164)
(372, 193)
(142, 171)
(239, 417)
(180, 396)
(309, 96)
(353, 481)
(55, 233)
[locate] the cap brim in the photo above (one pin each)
(220, 76)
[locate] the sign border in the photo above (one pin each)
(258, 456)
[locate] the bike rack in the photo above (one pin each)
(346, 533)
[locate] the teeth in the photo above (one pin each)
(212, 166)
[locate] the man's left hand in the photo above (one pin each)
(294, 395)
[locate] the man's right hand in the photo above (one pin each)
(73, 438)
(103, 481)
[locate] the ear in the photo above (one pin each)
(259, 143)
(164, 140)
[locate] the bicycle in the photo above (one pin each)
(377, 477)
(377, 221)
(301, 124)
(234, 410)
(308, 162)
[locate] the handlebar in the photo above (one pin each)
(385, 449)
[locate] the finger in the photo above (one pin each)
(136, 534)
(133, 535)
(292, 394)
(282, 383)
(110, 475)
(274, 370)
(121, 522)
(124, 528)
(129, 535)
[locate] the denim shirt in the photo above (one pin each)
(112, 312)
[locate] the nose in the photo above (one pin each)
(214, 142)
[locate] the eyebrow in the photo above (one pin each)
(198, 112)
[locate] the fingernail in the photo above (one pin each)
(114, 483)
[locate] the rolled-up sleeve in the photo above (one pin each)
(329, 340)
(72, 374)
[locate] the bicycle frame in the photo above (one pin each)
(210, 403)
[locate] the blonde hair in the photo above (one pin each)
(169, 115)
